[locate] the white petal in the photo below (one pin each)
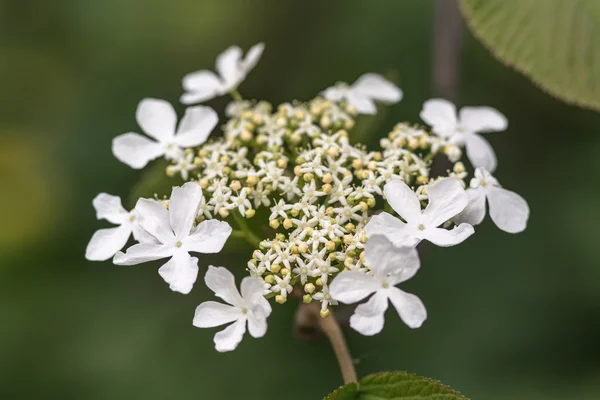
(154, 218)
(157, 118)
(180, 272)
(141, 253)
(368, 318)
(508, 210)
(196, 125)
(228, 66)
(447, 199)
(362, 103)
(257, 323)
(352, 286)
(200, 86)
(252, 57)
(377, 88)
(252, 289)
(183, 208)
(403, 200)
(135, 150)
(209, 237)
(395, 230)
(445, 238)
(210, 314)
(333, 93)
(106, 242)
(109, 207)
(222, 282)
(480, 152)
(141, 235)
(385, 258)
(409, 307)
(475, 211)
(440, 114)
(482, 119)
(229, 338)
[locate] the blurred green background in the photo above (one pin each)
(510, 317)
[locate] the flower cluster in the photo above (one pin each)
(330, 220)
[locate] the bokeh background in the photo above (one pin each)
(510, 317)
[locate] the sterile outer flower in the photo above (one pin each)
(447, 199)
(106, 242)
(175, 237)
(390, 265)
(204, 85)
(158, 119)
(508, 210)
(249, 307)
(363, 93)
(463, 130)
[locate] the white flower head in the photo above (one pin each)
(447, 199)
(249, 306)
(175, 237)
(158, 119)
(464, 130)
(363, 93)
(508, 210)
(204, 85)
(390, 265)
(106, 242)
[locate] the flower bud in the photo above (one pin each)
(371, 202)
(235, 185)
(287, 223)
(363, 206)
(275, 268)
(274, 223)
(281, 163)
(203, 183)
(326, 188)
(308, 177)
(284, 271)
(327, 178)
(307, 298)
(330, 245)
(280, 299)
(309, 288)
(223, 212)
(297, 169)
(270, 279)
(303, 247)
(250, 213)
(324, 313)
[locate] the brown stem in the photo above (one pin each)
(308, 317)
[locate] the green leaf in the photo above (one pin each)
(395, 386)
(553, 42)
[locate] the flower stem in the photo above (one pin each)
(330, 326)
(235, 95)
(244, 231)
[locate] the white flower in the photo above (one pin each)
(158, 119)
(447, 199)
(279, 210)
(325, 298)
(508, 210)
(302, 270)
(241, 202)
(441, 116)
(175, 236)
(106, 242)
(282, 286)
(250, 306)
(204, 85)
(364, 92)
(391, 265)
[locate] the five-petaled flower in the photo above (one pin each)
(441, 115)
(363, 93)
(250, 306)
(447, 199)
(106, 242)
(204, 85)
(175, 236)
(508, 210)
(158, 119)
(390, 265)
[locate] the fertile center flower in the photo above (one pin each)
(447, 198)
(175, 236)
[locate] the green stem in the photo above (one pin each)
(244, 231)
(236, 95)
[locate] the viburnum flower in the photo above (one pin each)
(508, 210)
(390, 265)
(250, 306)
(158, 119)
(175, 236)
(363, 93)
(447, 199)
(441, 115)
(204, 85)
(106, 242)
